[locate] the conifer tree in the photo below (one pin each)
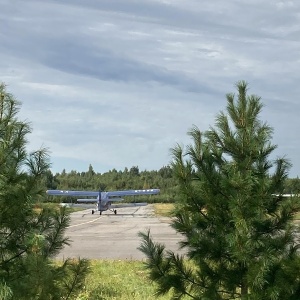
(238, 231)
(29, 238)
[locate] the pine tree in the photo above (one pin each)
(29, 237)
(238, 230)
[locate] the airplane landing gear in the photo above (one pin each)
(93, 211)
(115, 211)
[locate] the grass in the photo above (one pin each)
(119, 279)
(163, 209)
(39, 206)
(297, 217)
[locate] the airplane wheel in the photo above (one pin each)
(93, 211)
(115, 211)
(100, 212)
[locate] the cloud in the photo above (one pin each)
(117, 83)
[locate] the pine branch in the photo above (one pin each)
(55, 238)
(76, 273)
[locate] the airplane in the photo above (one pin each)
(104, 200)
(286, 195)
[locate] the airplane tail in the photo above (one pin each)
(99, 201)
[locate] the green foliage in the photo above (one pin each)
(239, 236)
(5, 291)
(119, 279)
(72, 281)
(292, 186)
(29, 237)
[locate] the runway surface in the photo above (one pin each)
(112, 236)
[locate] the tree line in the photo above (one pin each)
(130, 178)
(113, 180)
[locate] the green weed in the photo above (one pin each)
(119, 279)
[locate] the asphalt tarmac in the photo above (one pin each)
(112, 236)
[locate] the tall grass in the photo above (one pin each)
(119, 279)
(163, 209)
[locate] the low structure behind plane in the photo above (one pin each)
(103, 200)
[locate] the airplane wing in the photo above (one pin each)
(108, 194)
(94, 200)
(72, 193)
(128, 205)
(132, 192)
(286, 195)
(85, 206)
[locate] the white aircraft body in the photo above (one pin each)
(104, 200)
(286, 195)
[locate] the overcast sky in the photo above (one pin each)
(116, 84)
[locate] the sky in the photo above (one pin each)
(117, 83)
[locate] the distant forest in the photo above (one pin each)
(129, 179)
(112, 180)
